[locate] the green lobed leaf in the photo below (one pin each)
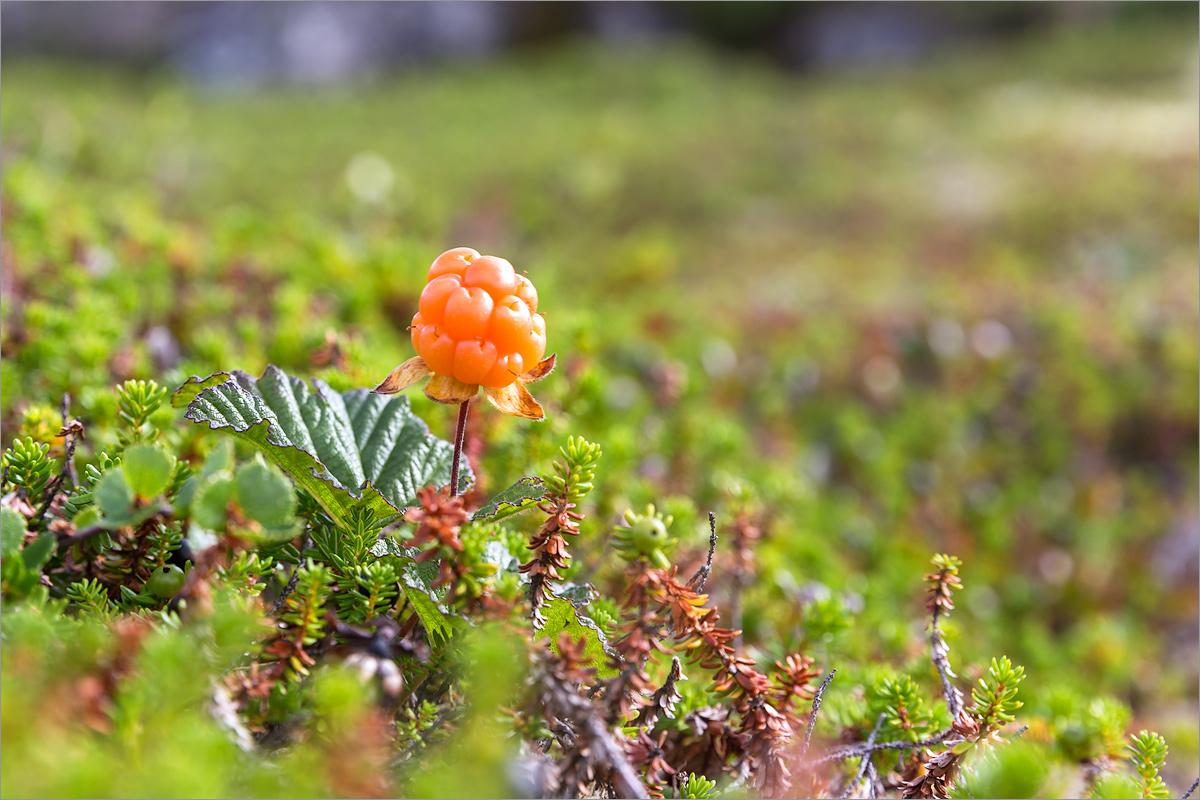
(348, 450)
(12, 531)
(523, 494)
(561, 616)
(422, 575)
(147, 469)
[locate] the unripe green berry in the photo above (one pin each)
(166, 581)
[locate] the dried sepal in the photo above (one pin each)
(514, 400)
(404, 376)
(449, 390)
(543, 368)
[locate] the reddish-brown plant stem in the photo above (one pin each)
(460, 435)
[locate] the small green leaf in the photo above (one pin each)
(12, 531)
(139, 598)
(15, 578)
(523, 494)
(112, 495)
(210, 507)
(147, 469)
(266, 495)
(38, 552)
(87, 517)
(561, 616)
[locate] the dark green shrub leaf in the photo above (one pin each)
(139, 598)
(147, 469)
(347, 450)
(523, 494)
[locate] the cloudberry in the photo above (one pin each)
(478, 320)
(476, 325)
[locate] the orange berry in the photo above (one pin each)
(435, 295)
(511, 324)
(535, 346)
(473, 359)
(477, 320)
(502, 373)
(526, 292)
(493, 274)
(452, 262)
(418, 324)
(516, 364)
(437, 349)
(468, 312)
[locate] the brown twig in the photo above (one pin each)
(854, 751)
(816, 706)
(1191, 789)
(866, 760)
(70, 431)
(288, 588)
(939, 653)
(84, 534)
(939, 601)
(70, 465)
(663, 700)
(698, 579)
(625, 780)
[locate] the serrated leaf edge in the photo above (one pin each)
(317, 386)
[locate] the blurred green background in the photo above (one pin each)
(944, 301)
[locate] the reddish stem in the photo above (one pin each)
(460, 436)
